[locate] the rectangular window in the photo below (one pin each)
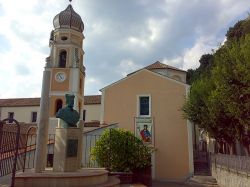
(144, 106)
(33, 116)
(84, 115)
(11, 115)
(76, 59)
(80, 86)
(50, 160)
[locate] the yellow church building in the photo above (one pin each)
(153, 97)
(147, 102)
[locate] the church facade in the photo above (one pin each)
(148, 102)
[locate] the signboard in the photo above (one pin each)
(72, 147)
(144, 129)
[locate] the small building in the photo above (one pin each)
(148, 102)
(27, 109)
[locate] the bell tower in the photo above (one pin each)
(66, 62)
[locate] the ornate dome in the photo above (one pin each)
(68, 18)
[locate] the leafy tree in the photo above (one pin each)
(196, 107)
(219, 99)
(119, 150)
(190, 76)
(206, 63)
(239, 30)
(232, 84)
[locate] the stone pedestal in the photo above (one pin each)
(66, 167)
(68, 148)
(81, 178)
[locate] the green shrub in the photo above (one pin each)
(119, 150)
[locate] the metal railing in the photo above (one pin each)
(231, 162)
(29, 158)
(89, 143)
(26, 152)
(8, 153)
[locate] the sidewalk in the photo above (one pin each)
(196, 181)
(5, 181)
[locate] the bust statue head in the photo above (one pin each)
(68, 114)
(70, 100)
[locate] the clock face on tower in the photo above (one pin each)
(60, 76)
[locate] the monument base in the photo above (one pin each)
(81, 178)
(68, 148)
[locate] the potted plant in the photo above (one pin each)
(120, 152)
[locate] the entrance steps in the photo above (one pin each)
(201, 168)
(202, 180)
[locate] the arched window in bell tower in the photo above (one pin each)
(58, 105)
(62, 59)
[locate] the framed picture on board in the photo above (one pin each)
(144, 129)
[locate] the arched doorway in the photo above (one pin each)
(58, 105)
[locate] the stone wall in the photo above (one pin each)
(230, 178)
(231, 171)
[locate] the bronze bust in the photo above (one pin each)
(68, 113)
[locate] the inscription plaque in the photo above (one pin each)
(72, 146)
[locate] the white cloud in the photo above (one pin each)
(127, 66)
(137, 41)
(156, 28)
(203, 45)
(92, 83)
(91, 80)
(98, 28)
(147, 38)
(176, 62)
(22, 65)
(121, 37)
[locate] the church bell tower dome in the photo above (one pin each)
(68, 18)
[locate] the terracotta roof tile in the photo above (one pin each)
(20, 102)
(159, 65)
(92, 99)
(92, 124)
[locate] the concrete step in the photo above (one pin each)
(201, 168)
(202, 180)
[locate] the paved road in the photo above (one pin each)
(5, 181)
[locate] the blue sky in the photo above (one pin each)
(120, 37)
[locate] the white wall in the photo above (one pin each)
(21, 114)
(93, 112)
(174, 74)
